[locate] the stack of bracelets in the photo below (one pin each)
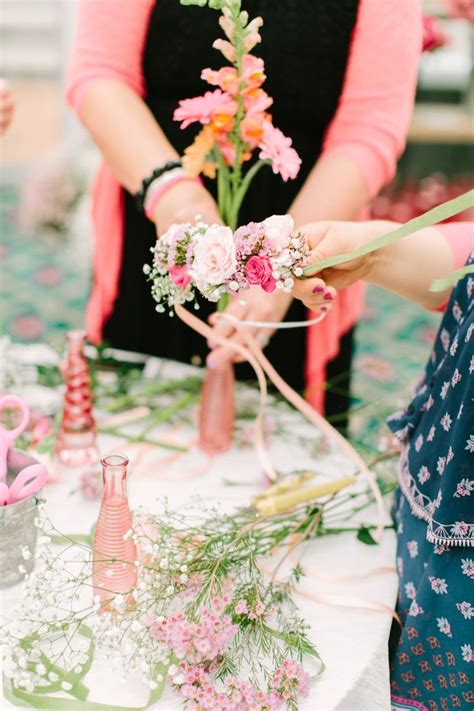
(157, 184)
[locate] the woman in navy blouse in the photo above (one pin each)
(432, 660)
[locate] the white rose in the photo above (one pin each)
(214, 257)
(279, 229)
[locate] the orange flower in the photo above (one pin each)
(194, 159)
(251, 129)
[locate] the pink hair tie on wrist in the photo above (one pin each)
(161, 185)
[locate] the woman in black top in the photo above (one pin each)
(305, 46)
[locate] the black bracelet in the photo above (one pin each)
(157, 173)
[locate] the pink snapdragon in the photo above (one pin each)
(277, 148)
(226, 78)
(253, 72)
(259, 271)
(215, 107)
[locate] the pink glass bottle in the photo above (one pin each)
(217, 410)
(75, 442)
(113, 558)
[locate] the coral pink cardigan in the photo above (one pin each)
(369, 128)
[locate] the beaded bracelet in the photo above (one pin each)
(157, 173)
(160, 186)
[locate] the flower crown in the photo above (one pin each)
(214, 261)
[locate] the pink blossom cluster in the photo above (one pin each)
(195, 642)
(201, 694)
(260, 610)
(197, 686)
(214, 260)
(290, 680)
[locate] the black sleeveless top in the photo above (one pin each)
(305, 46)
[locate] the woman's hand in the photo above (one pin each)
(406, 267)
(328, 239)
(7, 105)
(182, 202)
(251, 305)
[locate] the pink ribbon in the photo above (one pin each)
(343, 600)
(262, 367)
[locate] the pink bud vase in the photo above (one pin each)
(75, 442)
(216, 417)
(114, 553)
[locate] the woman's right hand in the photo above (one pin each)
(182, 202)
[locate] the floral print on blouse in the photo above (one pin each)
(437, 465)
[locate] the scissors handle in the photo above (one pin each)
(4, 494)
(28, 482)
(7, 437)
(15, 402)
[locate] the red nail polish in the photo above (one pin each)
(318, 289)
(328, 297)
(323, 308)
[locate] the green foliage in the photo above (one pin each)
(214, 4)
(365, 536)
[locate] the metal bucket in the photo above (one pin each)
(17, 526)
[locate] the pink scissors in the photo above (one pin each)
(7, 437)
(29, 481)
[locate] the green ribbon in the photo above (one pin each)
(39, 699)
(18, 697)
(452, 278)
(432, 217)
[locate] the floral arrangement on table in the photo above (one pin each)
(205, 613)
(214, 261)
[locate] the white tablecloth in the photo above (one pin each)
(352, 642)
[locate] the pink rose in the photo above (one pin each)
(214, 257)
(279, 228)
(259, 271)
(180, 276)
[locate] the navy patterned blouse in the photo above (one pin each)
(437, 466)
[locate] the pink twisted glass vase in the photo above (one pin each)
(75, 443)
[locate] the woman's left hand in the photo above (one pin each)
(251, 305)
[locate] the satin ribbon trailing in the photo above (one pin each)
(262, 367)
(207, 332)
